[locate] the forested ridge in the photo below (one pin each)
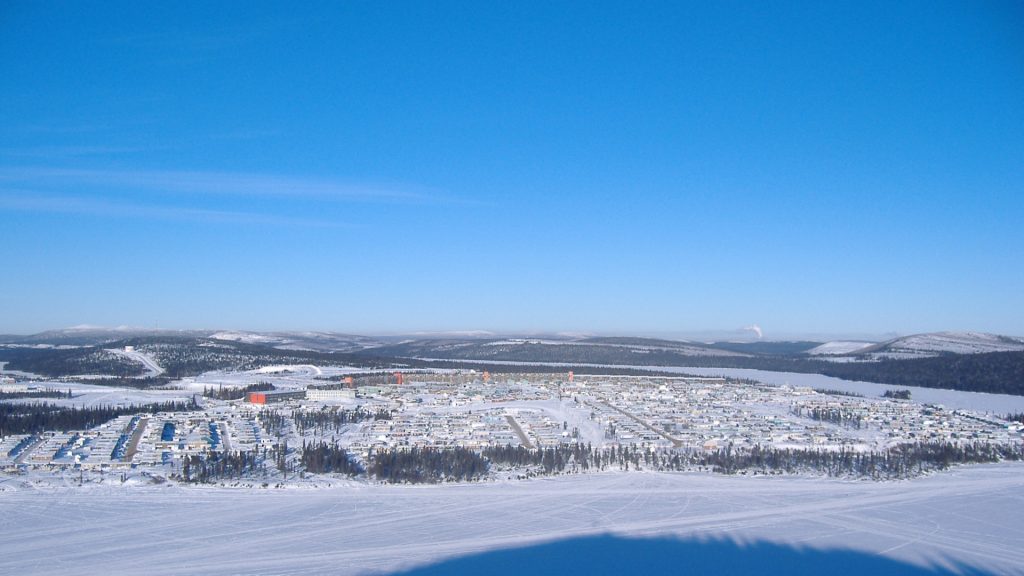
(996, 372)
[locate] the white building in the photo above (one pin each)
(7, 384)
(321, 394)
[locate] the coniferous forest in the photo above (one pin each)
(429, 465)
(235, 392)
(35, 418)
(334, 419)
(329, 458)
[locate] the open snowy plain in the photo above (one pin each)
(964, 519)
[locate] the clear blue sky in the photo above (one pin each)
(645, 167)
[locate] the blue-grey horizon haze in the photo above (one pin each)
(372, 167)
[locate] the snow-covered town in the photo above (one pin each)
(364, 413)
(512, 288)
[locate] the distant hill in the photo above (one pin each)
(937, 343)
(957, 360)
(317, 341)
(80, 336)
(625, 351)
(840, 348)
(770, 348)
(959, 366)
(633, 341)
(94, 335)
(704, 348)
(178, 355)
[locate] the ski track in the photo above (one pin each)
(967, 516)
(152, 368)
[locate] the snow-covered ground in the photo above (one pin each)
(323, 341)
(91, 395)
(923, 346)
(839, 347)
(967, 517)
(919, 346)
(282, 376)
(999, 404)
(152, 368)
(16, 373)
(246, 337)
(957, 343)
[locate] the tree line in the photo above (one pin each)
(841, 416)
(324, 458)
(35, 418)
(222, 466)
(234, 392)
(901, 461)
(66, 362)
(48, 393)
(333, 419)
(272, 422)
(897, 394)
(834, 392)
(427, 465)
(419, 465)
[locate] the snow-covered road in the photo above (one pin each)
(153, 369)
(969, 516)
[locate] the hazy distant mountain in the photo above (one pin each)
(86, 335)
(97, 335)
(924, 346)
(487, 345)
(599, 349)
(317, 341)
(604, 350)
(768, 347)
(955, 360)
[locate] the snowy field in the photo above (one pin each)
(92, 395)
(968, 518)
(283, 377)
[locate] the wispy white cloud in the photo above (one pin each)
(32, 201)
(224, 183)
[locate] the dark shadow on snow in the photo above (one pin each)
(611, 555)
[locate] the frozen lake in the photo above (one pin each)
(969, 517)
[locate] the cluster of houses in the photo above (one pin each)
(709, 414)
(898, 421)
(429, 428)
(474, 410)
(161, 439)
